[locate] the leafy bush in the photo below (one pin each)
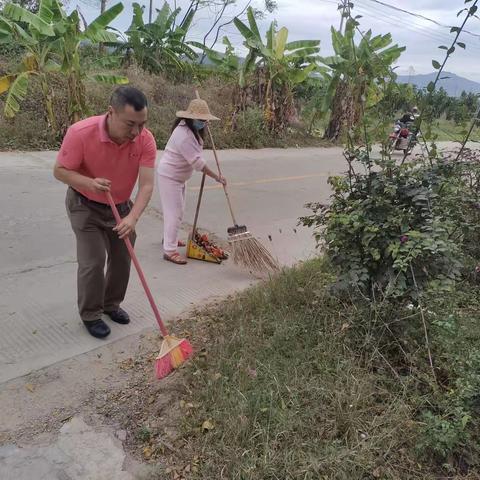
(398, 228)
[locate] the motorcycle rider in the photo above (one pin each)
(408, 117)
(405, 128)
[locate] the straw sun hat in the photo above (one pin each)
(197, 110)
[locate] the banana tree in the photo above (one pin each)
(278, 67)
(68, 47)
(159, 46)
(228, 64)
(355, 75)
(35, 33)
(51, 41)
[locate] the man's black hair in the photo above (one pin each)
(124, 96)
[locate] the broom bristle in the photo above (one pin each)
(249, 252)
(173, 353)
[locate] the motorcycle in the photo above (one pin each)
(403, 137)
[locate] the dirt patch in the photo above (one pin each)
(152, 412)
(115, 388)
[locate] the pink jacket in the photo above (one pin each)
(182, 155)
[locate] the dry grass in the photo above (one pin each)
(28, 130)
(291, 382)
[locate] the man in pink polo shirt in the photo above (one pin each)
(100, 154)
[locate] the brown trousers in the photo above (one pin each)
(92, 223)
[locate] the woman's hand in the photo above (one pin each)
(218, 178)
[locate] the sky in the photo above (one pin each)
(311, 19)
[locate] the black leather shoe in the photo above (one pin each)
(119, 316)
(97, 328)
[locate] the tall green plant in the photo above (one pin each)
(279, 66)
(271, 70)
(51, 40)
(355, 74)
(159, 46)
(35, 33)
(68, 47)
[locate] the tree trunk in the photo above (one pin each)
(76, 98)
(103, 7)
(343, 112)
(48, 98)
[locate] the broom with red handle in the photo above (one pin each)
(173, 351)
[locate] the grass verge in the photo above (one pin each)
(292, 382)
(298, 384)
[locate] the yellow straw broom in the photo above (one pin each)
(173, 351)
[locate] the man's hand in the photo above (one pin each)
(126, 226)
(100, 185)
(222, 180)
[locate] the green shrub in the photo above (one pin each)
(395, 229)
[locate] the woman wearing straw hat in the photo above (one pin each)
(182, 155)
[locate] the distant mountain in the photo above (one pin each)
(454, 85)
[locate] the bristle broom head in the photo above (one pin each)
(247, 251)
(173, 353)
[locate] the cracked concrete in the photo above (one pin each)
(80, 452)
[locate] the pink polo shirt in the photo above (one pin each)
(88, 150)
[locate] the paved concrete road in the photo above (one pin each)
(39, 324)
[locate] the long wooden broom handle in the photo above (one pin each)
(218, 166)
(133, 256)
(220, 173)
(200, 194)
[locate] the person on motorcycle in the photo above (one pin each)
(404, 135)
(408, 117)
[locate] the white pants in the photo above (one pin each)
(172, 196)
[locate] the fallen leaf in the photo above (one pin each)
(182, 403)
(377, 473)
(217, 376)
(147, 452)
(345, 326)
(207, 425)
(30, 387)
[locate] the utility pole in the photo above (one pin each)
(344, 7)
(150, 12)
(411, 73)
